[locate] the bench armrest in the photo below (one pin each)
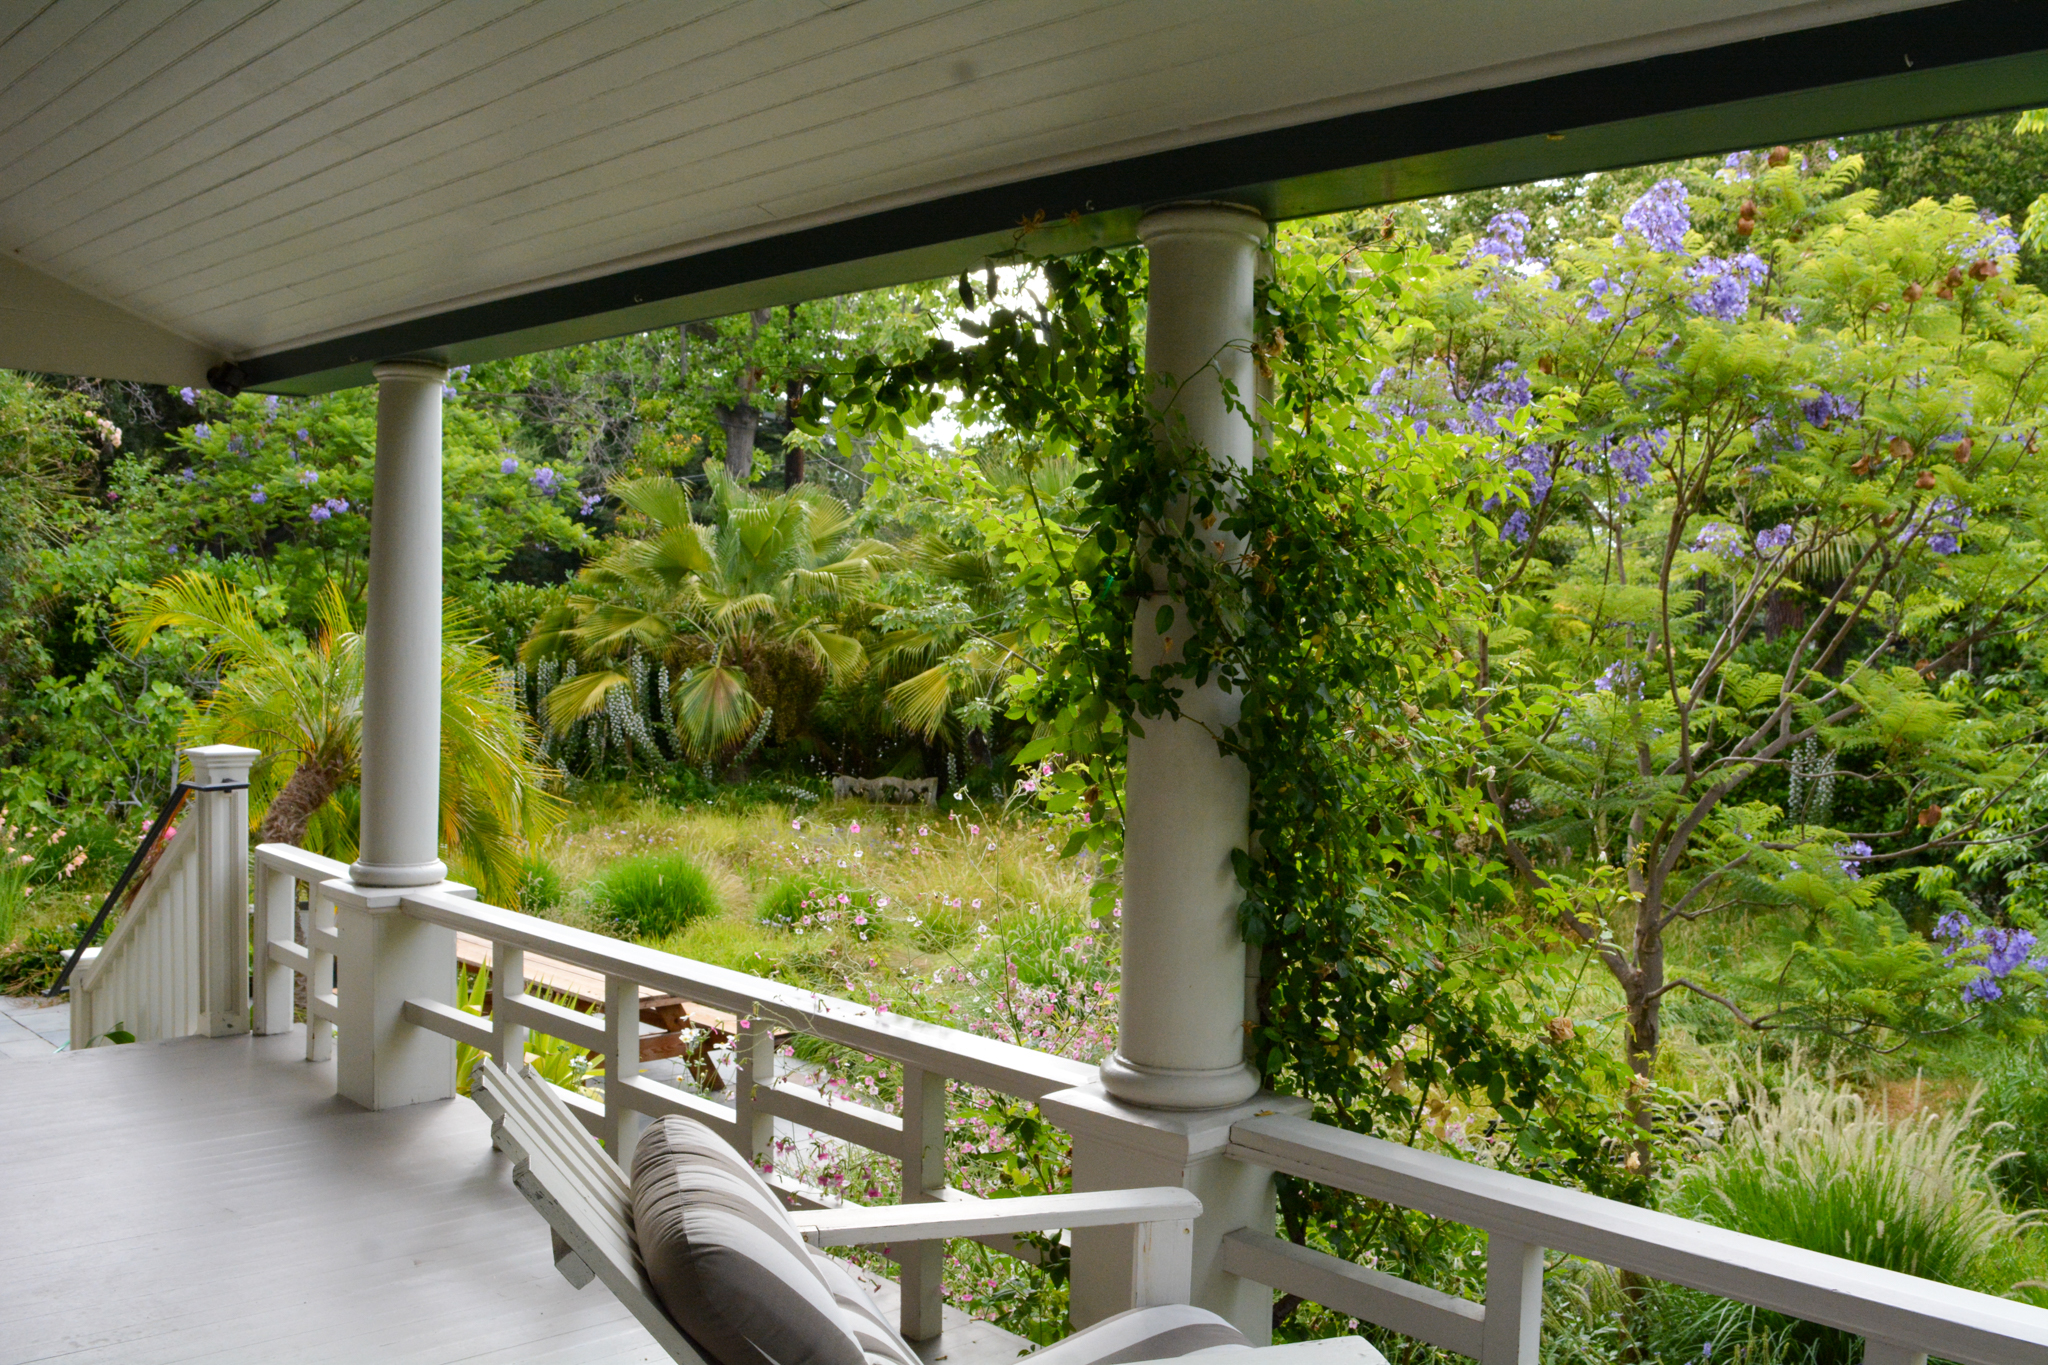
(858, 1225)
(1161, 1223)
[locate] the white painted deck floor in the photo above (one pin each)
(214, 1201)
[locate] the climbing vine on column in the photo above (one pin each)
(1312, 585)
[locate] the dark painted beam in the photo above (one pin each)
(1943, 61)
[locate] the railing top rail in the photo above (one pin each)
(1905, 1310)
(949, 1052)
(306, 866)
(83, 967)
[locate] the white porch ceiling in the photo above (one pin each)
(183, 181)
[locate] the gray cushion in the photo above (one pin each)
(724, 1259)
(1160, 1333)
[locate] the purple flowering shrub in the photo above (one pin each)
(1739, 463)
(290, 480)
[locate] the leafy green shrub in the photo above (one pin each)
(654, 895)
(540, 885)
(32, 968)
(1814, 1166)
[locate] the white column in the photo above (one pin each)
(223, 818)
(402, 638)
(1181, 1041)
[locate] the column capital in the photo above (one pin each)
(422, 371)
(1202, 217)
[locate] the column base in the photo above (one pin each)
(1118, 1146)
(1161, 1087)
(368, 875)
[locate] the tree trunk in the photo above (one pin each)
(742, 420)
(1642, 991)
(304, 792)
(792, 453)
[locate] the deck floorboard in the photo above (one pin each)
(214, 1201)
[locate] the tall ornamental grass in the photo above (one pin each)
(655, 894)
(1814, 1165)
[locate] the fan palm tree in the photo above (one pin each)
(300, 703)
(777, 573)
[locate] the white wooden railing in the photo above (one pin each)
(929, 1054)
(173, 967)
(1902, 1318)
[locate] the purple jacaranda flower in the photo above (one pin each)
(202, 432)
(2000, 241)
(1618, 675)
(303, 434)
(188, 474)
(258, 496)
(234, 445)
(270, 402)
(1504, 236)
(308, 477)
(508, 465)
(1596, 291)
(1826, 408)
(590, 502)
(1516, 527)
(1661, 217)
(321, 511)
(2000, 952)
(1724, 295)
(1773, 541)
(337, 505)
(1939, 526)
(545, 481)
(1852, 855)
(189, 396)
(1721, 539)
(1739, 166)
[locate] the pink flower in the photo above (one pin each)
(856, 827)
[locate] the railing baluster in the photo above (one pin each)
(277, 895)
(508, 984)
(753, 1051)
(924, 1176)
(622, 1124)
(320, 979)
(1513, 1328)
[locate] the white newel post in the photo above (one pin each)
(383, 1061)
(223, 835)
(1179, 1078)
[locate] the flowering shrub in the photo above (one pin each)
(30, 859)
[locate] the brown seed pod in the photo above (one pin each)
(1913, 292)
(1982, 270)
(1963, 449)
(1863, 466)
(1926, 479)
(1954, 276)
(1901, 448)
(1780, 155)
(1888, 518)
(1744, 226)
(1546, 364)
(1944, 293)
(1930, 817)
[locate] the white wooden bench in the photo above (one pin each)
(587, 1202)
